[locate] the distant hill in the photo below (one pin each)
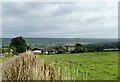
(47, 41)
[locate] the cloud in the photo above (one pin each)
(57, 19)
(0, 21)
(60, 0)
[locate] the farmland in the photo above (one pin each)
(83, 66)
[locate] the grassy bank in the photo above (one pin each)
(3, 59)
(84, 66)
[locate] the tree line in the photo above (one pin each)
(79, 48)
(19, 45)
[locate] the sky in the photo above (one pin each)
(60, 19)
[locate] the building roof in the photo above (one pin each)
(37, 51)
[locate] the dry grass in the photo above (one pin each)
(27, 67)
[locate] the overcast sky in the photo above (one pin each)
(60, 20)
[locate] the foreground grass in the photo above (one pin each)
(84, 66)
(27, 67)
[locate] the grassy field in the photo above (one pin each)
(84, 66)
(3, 59)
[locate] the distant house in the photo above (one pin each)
(62, 49)
(37, 51)
(59, 51)
(50, 51)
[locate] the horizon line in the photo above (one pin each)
(69, 37)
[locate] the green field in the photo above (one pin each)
(84, 66)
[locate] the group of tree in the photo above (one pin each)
(79, 48)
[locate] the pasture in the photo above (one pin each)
(83, 66)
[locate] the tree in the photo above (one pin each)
(18, 44)
(78, 45)
(119, 45)
(79, 48)
(99, 48)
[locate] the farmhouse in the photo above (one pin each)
(37, 51)
(50, 51)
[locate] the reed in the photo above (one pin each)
(28, 67)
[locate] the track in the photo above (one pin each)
(4, 65)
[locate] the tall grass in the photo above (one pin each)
(67, 70)
(84, 66)
(27, 67)
(64, 72)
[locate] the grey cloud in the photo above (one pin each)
(0, 20)
(60, 19)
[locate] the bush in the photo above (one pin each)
(4, 51)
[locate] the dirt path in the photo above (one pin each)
(4, 64)
(11, 59)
